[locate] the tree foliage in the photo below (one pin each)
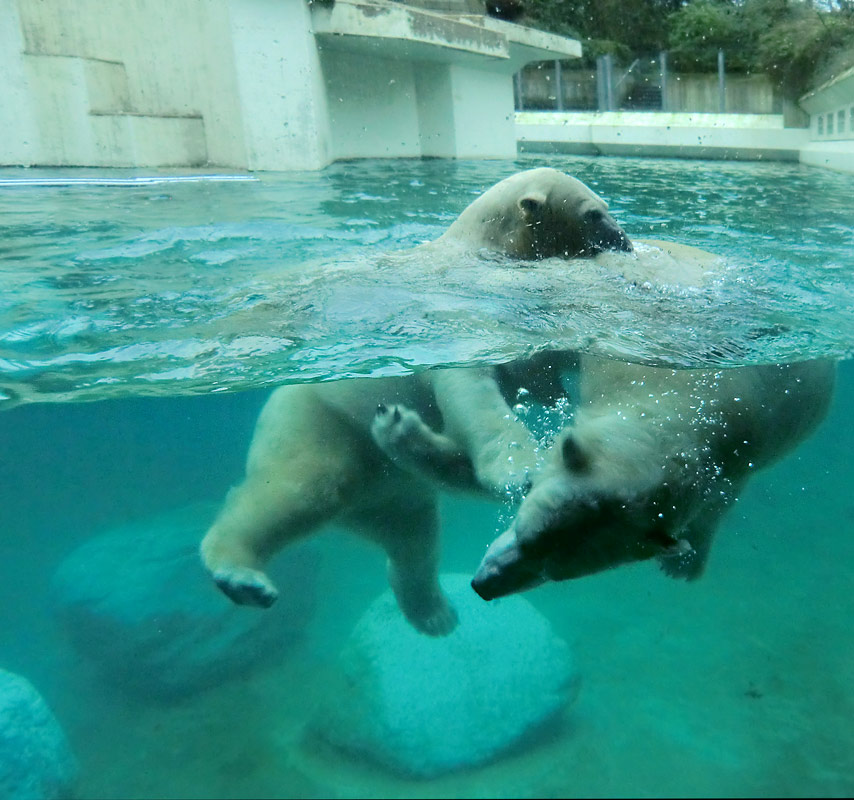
(797, 42)
(699, 30)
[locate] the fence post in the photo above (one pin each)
(609, 80)
(605, 83)
(721, 83)
(662, 63)
(558, 86)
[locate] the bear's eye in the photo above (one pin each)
(593, 216)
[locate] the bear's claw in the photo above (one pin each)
(246, 587)
(441, 622)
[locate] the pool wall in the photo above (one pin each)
(660, 134)
(257, 84)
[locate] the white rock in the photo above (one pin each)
(35, 761)
(425, 706)
(137, 601)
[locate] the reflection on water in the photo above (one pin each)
(198, 287)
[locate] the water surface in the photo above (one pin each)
(191, 287)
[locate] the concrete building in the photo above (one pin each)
(258, 84)
(831, 110)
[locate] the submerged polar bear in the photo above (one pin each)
(313, 459)
(651, 461)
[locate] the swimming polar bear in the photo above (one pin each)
(650, 463)
(652, 458)
(313, 459)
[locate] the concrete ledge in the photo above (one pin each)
(835, 155)
(397, 31)
(684, 135)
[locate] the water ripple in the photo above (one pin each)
(113, 290)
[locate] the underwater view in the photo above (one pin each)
(148, 318)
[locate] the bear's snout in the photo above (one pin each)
(610, 236)
(505, 570)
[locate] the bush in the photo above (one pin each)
(699, 30)
(802, 52)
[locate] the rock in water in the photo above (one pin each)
(137, 601)
(35, 761)
(425, 706)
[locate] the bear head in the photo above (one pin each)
(574, 523)
(536, 214)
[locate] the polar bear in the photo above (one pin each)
(652, 458)
(536, 214)
(651, 461)
(314, 460)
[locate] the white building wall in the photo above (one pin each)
(831, 110)
(255, 84)
(372, 106)
(20, 131)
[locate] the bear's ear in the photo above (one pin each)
(574, 457)
(532, 204)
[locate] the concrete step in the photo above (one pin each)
(85, 118)
(147, 140)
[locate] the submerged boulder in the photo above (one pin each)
(137, 601)
(35, 760)
(424, 706)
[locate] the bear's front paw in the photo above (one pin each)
(246, 586)
(396, 430)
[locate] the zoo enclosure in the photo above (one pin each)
(647, 84)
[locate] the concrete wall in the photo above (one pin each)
(371, 106)
(669, 135)
(156, 83)
(145, 67)
(255, 84)
(831, 110)
(743, 94)
(279, 97)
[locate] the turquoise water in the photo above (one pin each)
(176, 305)
(184, 288)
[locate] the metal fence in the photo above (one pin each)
(645, 84)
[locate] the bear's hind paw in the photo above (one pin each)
(245, 586)
(441, 622)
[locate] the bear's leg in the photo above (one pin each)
(690, 564)
(260, 517)
(406, 526)
(305, 465)
(475, 414)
